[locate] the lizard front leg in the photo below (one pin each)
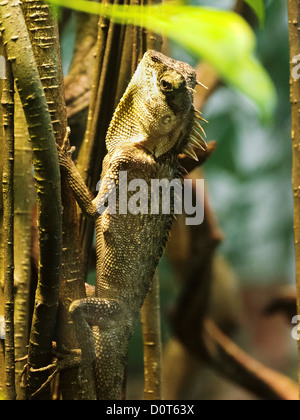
(82, 194)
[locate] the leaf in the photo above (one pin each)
(259, 8)
(222, 38)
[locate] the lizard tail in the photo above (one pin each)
(112, 349)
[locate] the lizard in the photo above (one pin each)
(154, 122)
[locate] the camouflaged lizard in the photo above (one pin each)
(153, 123)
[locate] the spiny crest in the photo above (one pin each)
(196, 139)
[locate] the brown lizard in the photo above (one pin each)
(153, 123)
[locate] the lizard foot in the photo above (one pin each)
(67, 362)
(65, 151)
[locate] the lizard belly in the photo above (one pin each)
(127, 262)
(129, 247)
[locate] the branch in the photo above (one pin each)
(2, 363)
(231, 361)
(150, 316)
(8, 237)
(294, 33)
(79, 78)
(24, 198)
(203, 338)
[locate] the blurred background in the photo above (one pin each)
(248, 185)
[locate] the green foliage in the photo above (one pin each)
(249, 175)
(222, 38)
(259, 8)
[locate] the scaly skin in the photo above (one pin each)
(154, 122)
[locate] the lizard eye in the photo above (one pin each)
(166, 86)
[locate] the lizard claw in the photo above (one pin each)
(66, 147)
(65, 151)
(66, 141)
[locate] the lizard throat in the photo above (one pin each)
(158, 146)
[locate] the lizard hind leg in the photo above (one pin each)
(103, 313)
(105, 344)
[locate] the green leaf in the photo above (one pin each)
(259, 8)
(222, 38)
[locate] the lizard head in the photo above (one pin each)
(157, 108)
